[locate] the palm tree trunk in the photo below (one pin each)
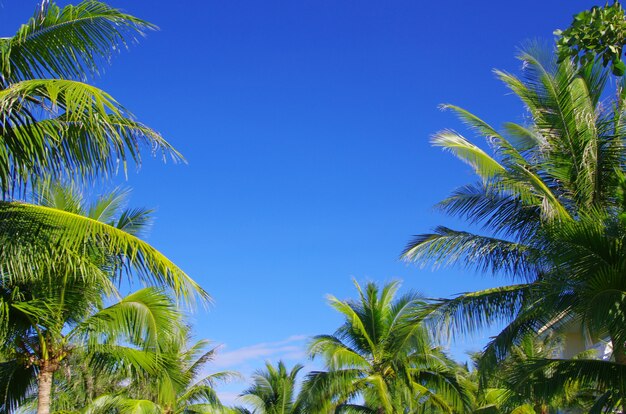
(44, 384)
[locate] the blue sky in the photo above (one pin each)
(305, 125)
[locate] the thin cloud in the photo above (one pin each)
(248, 359)
(291, 348)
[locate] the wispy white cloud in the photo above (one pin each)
(288, 349)
(247, 359)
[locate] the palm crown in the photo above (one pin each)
(50, 307)
(53, 123)
(549, 202)
(273, 391)
(383, 355)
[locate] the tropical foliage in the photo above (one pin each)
(53, 123)
(52, 308)
(60, 259)
(500, 391)
(273, 391)
(598, 33)
(548, 202)
(384, 356)
(179, 385)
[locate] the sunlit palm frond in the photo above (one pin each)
(484, 165)
(147, 318)
(447, 247)
(68, 42)
(335, 353)
(503, 148)
(66, 231)
(55, 126)
(500, 212)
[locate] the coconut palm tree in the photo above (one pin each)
(548, 203)
(79, 381)
(274, 390)
(50, 120)
(52, 298)
(180, 386)
(499, 391)
(184, 387)
(53, 124)
(123, 335)
(383, 357)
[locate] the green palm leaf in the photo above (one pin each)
(67, 42)
(66, 232)
(56, 126)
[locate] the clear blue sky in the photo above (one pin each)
(306, 125)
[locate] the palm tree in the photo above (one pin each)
(111, 335)
(548, 201)
(53, 124)
(274, 390)
(52, 298)
(50, 120)
(179, 387)
(499, 391)
(79, 381)
(183, 387)
(382, 356)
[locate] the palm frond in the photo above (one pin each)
(66, 231)
(485, 166)
(475, 311)
(17, 383)
(336, 354)
(55, 125)
(68, 42)
(447, 247)
(147, 318)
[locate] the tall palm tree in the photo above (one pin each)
(50, 120)
(274, 390)
(180, 386)
(548, 202)
(113, 336)
(381, 356)
(53, 124)
(53, 298)
(184, 387)
(500, 391)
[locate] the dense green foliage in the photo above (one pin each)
(177, 386)
(52, 308)
(60, 260)
(383, 355)
(598, 33)
(550, 201)
(52, 122)
(273, 391)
